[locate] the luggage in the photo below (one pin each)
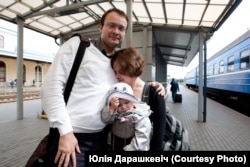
(178, 98)
(176, 136)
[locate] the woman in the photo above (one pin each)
(128, 65)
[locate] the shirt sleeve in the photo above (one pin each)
(107, 116)
(54, 84)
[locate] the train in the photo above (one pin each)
(228, 73)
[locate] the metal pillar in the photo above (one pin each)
(205, 83)
(200, 95)
(20, 25)
(130, 24)
(145, 54)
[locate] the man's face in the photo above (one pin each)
(113, 31)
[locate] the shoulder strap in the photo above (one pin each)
(78, 59)
(145, 93)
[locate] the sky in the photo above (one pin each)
(236, 25)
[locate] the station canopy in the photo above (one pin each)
(175, 23)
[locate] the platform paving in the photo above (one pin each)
(223, 130)
(18, 138)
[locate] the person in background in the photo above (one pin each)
(12, 83)
(174, 88)
(77, 127)
(128, 65)
(129, 118)
(34, 82)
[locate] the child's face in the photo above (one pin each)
(125, 105)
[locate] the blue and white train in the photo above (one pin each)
(228, 72)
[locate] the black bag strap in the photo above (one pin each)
(78, 59)
(145, 93)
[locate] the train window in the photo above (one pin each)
(215, 69)
(244, 59)
(221, 68)
(210, 70)
(230, 64)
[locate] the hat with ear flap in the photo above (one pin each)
(122, 90)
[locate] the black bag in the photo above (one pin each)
(176, 136)
(39, 157)
(178, 98)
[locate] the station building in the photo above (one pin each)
(35, 63)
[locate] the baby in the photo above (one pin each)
(129, 117)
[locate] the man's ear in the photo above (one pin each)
(100, 27)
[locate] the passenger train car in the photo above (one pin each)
(228, 72)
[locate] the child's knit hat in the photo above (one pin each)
(122, 90)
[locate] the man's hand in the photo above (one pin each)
(67, 148)
(160, 89)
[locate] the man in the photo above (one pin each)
(79, 123)
(174, 88)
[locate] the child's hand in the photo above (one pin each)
(114, 102)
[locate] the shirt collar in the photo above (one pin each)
(97, 43)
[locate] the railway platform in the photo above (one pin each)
(224, 129)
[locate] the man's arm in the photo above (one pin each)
(54, 104)
(53, 87)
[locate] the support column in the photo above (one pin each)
(147, 71)
(200, 95)
(20, 25)
(130, 24)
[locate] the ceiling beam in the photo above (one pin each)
(173, 55)
(65, 8)
(164, 11)
(44, 5)
(146, 8)
(186, 48)
(183, 12)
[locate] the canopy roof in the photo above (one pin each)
(175, 23)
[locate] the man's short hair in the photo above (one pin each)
(120, 12)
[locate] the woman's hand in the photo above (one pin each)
(160, 88)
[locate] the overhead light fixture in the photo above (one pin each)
(67, 12)
(62, 11)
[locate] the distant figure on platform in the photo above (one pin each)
(174, 88)
(15, 82)
(12, 83)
